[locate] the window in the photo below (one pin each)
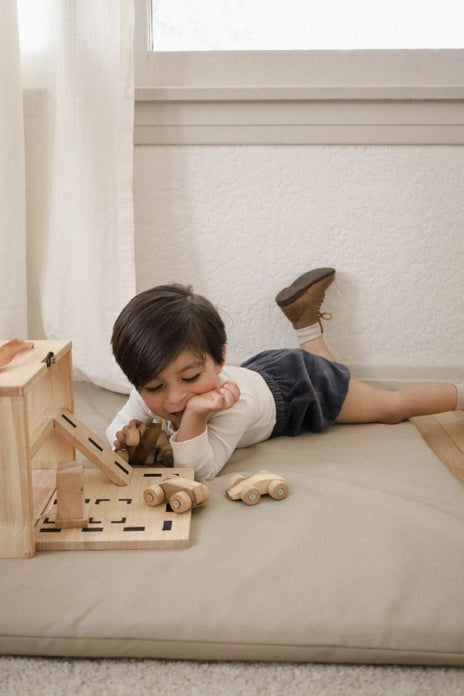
(276, 25)
(392, 96)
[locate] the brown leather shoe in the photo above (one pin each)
(301, 301)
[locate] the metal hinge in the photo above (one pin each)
(49, 358)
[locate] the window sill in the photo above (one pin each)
(333, 115)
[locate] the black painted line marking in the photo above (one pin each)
(68, 420)
(95, 444)
(102, 500)
(152, 475)
(123, 520)
(92, 529)
(120, 466)
(169, 508)
(92, 521)
(125, 500)
(133, 529)
(167, 525)
(50, 529)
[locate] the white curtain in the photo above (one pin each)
(13, 306)
(76, 149)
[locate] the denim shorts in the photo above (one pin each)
(309, 390)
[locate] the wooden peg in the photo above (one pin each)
(71, 510)
(132, 437)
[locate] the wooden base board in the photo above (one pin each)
(118, 516)
(444, 433)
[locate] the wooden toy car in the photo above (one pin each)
(147, 445)
(181, 493)
(251, 488)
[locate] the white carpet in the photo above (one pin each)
(27, 676)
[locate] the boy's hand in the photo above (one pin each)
(200, 406)
(121, 435)
(219, 399)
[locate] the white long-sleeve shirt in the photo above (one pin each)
(250, 420)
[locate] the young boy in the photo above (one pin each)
(171, 345)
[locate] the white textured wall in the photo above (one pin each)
(241, 222)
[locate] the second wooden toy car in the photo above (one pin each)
(147, 445)
(181, 493)
(251, 488)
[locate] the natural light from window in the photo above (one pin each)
(223, 25)
(34, 25)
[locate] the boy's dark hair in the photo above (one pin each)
(158, 324)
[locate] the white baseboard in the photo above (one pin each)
(404, 374)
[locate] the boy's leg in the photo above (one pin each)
(366, 404)
(318, 346)
(301, 303)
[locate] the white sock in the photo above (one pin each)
(308, 333)
(460, 404)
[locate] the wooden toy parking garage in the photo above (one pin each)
(95, 508)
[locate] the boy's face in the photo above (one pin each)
(188, 375)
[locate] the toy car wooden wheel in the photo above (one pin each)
(180, 502)
(154, 495)
(278, 490)
(251, 496)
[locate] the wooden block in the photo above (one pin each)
(78, 523)
(119, 518)
(99, 453)
(70, 511)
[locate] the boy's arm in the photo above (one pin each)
(209, 451)
(202, 406)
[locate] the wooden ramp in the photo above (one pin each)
(444, 433)
(98, 452)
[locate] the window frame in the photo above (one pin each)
(296, 97)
